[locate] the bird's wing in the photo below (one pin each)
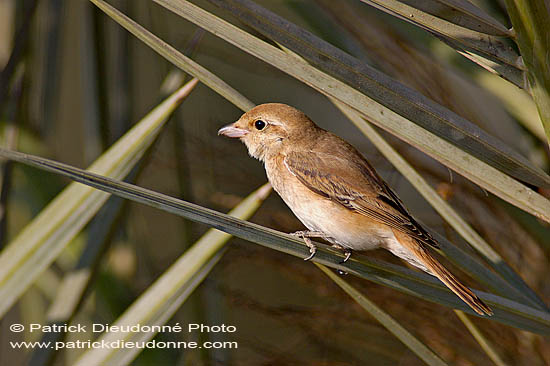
(353, 183)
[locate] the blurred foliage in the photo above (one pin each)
(81, 80)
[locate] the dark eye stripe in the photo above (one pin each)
(259, 124)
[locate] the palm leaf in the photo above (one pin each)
(402, 279)
(465, 34)
(388, 92)
(476, 170)
(414, 344)
(160, 301)
(42, 240)
(513, 286)
(531, 21)
(481, 339)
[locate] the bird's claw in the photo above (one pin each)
(311, 246)
(307, 241)
(312, 250)
(347, 253)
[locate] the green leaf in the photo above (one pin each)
(401, 99)
(176, 57)
(531, 21)
(384, 51)
(481, 339)
(489, 46)
(400, 278)
(41, 241)
(507, 72)
(517, 102)
(463, 13)
(160, 301)
(414, 344)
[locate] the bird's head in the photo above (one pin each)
(269, 128)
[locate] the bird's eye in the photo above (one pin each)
(259, 124)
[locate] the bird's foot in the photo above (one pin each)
(306, 235)
(347, 253)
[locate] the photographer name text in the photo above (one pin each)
(135, 328)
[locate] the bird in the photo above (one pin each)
(334, 191)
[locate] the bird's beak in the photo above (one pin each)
(232, 131)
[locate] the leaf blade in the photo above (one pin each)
(413, 343)
(177, 58)
(39, 243)
(157, 304)
(400, 278)
(401, 99)
(531, 21)
(476, 170)
(489, 46)
(480, 20)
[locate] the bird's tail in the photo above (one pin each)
(437, 269)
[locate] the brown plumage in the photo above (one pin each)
(336, 193)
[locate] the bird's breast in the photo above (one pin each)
(341, 225)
